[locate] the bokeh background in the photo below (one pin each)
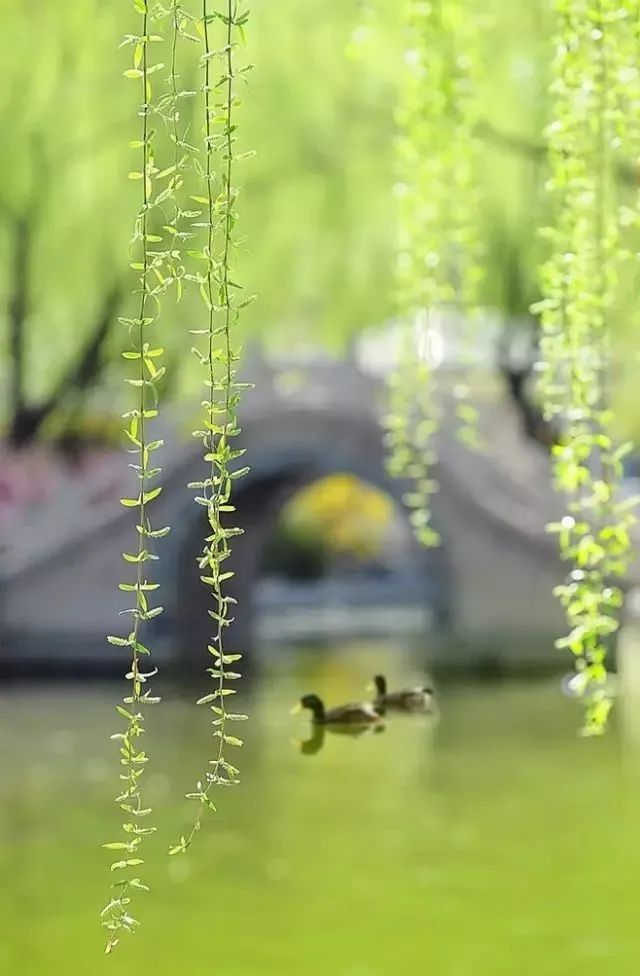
(487, 841)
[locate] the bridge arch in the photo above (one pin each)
(302, 422)
(288, 450)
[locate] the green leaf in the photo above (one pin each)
(148, 496)
(137, 883)
(232, 740)
(158, 533)
(129, 863)
(179, 848)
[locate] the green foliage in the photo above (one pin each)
(148, 263)
(438, 264)
(594, 87)
(161, 267)
(172, 107)
(222, 31)
(317, 196)
(411, 423)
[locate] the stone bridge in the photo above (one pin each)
(303, 420)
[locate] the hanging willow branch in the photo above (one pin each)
(170, 109)
(438, 266)
(580, 286)
(117, 916)
(220, 358)
(461, 248)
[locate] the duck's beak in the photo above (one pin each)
(370, 686)
(297, 708)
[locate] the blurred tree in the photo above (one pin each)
(316, 208)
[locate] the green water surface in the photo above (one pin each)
(496, 842)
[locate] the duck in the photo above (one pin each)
(406, 699)
(353, 713)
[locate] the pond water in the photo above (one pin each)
(495, 842)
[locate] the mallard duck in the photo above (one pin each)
(406, 700)
(353, 713)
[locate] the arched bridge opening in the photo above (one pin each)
(287, 453)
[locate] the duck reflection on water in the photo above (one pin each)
(316, 741)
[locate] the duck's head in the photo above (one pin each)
(380, 684)
(313, 703)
